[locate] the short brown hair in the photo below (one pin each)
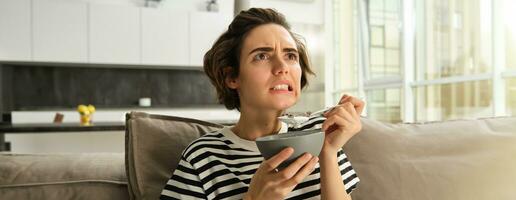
(225, 52)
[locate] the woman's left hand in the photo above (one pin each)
(342, 123)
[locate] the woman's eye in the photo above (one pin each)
(261, 56)
(292, 56)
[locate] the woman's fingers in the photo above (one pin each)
(293, 168)
(344, 98)
(345, 112)
(303, 172)
(357, 103)
(273, 162)
(335, 119)
(350, 108)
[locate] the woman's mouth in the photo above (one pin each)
(282, 87)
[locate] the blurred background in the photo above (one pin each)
(410, 60)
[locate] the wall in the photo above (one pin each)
(38, 87)
(5, 89)
(1, 94)
(296, 11)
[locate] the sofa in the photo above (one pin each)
(455, 160)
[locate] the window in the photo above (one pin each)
(511, 96)
(426, 60)
(344, 67)
(470, 99)
(509, 14)
(456, 38)
(509, 30)
(368, 55)
(453, 72)
(384, 104)
(384, 20)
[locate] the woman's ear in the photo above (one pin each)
(230, 82)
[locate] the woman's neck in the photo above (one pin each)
(255, 124)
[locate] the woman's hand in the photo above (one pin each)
(268, 183)
(342, 123)
(357, 103)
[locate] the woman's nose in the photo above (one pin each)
(279, 66)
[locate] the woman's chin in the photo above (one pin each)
(284, 105)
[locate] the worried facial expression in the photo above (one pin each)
(270, 73)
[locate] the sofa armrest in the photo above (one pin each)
(63, 176)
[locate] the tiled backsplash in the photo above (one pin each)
(33, 87)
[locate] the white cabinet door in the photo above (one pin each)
(164, 37)
(205, 28)
(114, 34)
(60, 31)
(15, 33)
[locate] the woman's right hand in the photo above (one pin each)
(267, 183)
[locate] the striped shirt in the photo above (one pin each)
(220, 165)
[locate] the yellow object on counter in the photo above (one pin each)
(86, 112)
(82, 109)
(91, 108)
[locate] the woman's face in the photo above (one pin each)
(270, 73)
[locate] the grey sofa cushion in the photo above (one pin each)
(455, 160)
(154, 144)
(63, 176)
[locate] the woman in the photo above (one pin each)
(259, 67)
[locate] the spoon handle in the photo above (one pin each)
(321, 112)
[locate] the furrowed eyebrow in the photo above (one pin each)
(268, 49)
(290, 50)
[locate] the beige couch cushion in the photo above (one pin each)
(154, 144)
(455, 160)
(63, 176)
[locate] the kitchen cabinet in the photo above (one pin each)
(60, 31)
(15, 30)
(297, 11)
(63, 31)
(205, 28)
(114, 34)
(164, 34)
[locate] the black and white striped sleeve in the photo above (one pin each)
(347, 172)
(312, 123)
(184, 183)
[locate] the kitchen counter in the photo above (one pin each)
(154, 107)
(105, 119)
(208, 113)
(55, 127)
(60, 127)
